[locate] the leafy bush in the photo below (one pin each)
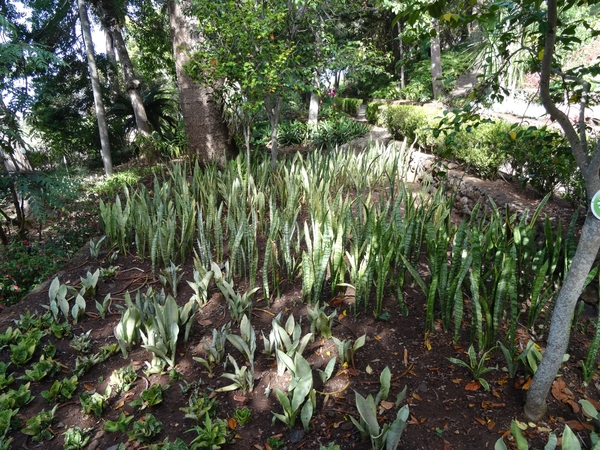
(24, 265)
(292, 132)
(412, 122)
(332, 133)
(541, 158)
(481, 147)
(373, 113)
(348, 105)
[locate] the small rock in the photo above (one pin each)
(347, 426)
(423, 387)
(296, 436)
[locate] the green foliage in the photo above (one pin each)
(93, 404)
(40, 370)
(412, 122)
(38, 427)
(292, 133)
(82, 343)
(212, 435)
(319, 321)
(348, 105)
(387, 437)
(570, 441)
(120, 425)
(215, 350)
(477, 368)
(373, 113)
(347, 348)
(242, 415)
(121, 379)
(199, 405)
(589, 365)
(300, 397)
(61, 391)
(145, 429)
(76, 439)
(25, 347)
(275, 443)
(330, 134)
(542, 158)
(150, 397)
(24, 265)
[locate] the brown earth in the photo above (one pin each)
(444, 412)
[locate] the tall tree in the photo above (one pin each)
(588, 160)
(109, 18)
(99, 103)
(206, 131)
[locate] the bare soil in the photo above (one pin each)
(444, 412)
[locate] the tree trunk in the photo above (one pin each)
(98, 102)
(110, 22)
(313, 109)
(111, 55)
(132, 84)
(207, 135)
(589, 242)
(401, 55)
(273, 104)
(436, 62)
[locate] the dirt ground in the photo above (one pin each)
(447, 411)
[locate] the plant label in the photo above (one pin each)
(596, 205)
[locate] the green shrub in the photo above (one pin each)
(542, 158)
(373, 114)
(348, 105)
(481, 147)
(412, 122)
(332, 133)
(292, 132)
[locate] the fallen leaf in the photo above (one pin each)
(387, 405)
(120, 404)
(232, 423)
(205, 322)
(575, 425)
(368, 369)
(336, 301)
(414, 421)
(473, 386)
(490, 425)
(405, 357)
(88, 387)
(527, 384)
(496, 394)
(417, 397)
(574, 405)
(456, 380)
(481, 421)
(447, 445)
(427, 343)
(502, 381)
(377, 337)
(558, 388)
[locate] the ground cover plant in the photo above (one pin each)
(330, 298)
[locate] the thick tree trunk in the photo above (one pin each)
(589, 243)
(98, 102)
(436, 62)
(207, 135)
